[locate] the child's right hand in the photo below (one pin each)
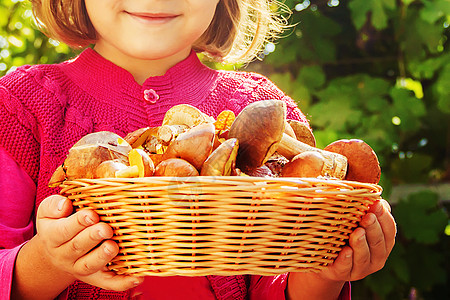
(79, 244)
(67, 247)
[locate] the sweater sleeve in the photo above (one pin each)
(17, 194)
(19, 130)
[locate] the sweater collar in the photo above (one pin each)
(97, 76)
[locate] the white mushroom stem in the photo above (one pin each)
(335, 164)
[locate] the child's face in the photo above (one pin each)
(149, 29)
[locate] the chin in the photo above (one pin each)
(152, 53)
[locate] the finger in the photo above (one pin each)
(361, 254)
(63, 230)
(96, 260)
(342, 265)
(54, 207)
(381, 210)
(375, 240)
(108, 280)
(85, 241)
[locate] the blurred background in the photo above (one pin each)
(377, 70)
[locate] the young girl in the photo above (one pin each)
(143, 61)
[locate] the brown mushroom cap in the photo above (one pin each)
(302, 132)
(363, 164)
(222, 160)
(82, 161)
(175, 167)
(108, 168)
(259, 128)
(194, 145)
(305, 164)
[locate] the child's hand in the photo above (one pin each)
(369, 247)
(79, 245)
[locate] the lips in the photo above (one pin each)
(150, 18)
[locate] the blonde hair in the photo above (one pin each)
(237, 33)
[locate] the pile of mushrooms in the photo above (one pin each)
(259, 141)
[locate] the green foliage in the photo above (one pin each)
(378, 70)
(420, 218)
(20, 41)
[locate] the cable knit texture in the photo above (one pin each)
(45, 109)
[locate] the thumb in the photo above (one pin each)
(54, 207)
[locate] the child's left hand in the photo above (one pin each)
(369, 246)
(367, 252)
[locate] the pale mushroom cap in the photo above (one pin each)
(185, 114)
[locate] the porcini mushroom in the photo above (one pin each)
(222, 160)
(175, 167)
(259, 128)
(363, 164)
(194, 145)
(185, 114)
(335, 163)
(305, 164)
(302, 132)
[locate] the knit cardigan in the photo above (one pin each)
(45, 109)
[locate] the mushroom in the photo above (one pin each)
(185, 114)
(194, 145)
(335, 164)
(83, 161)
(150, 137)
(222, 161)
(276, 163)
(363, 164)
(88, 153)
(109, 168)
(175, 167)
(302, 132)
(259, 128)
(305, 164)
(140, 158)
(288, 130)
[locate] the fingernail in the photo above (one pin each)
(370, 219)
(348, 255)
(107, 250)
(88, 220)
(136, 282)
(102, 235)
(362, 237)
(379, 208)
(61, 204)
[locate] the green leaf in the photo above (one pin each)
(407, 108)
(311, 76)
(334, 114)
(443, 89)
(420, 218)
(434, 10)
(377, 8)
(426, 69)
(413, 168)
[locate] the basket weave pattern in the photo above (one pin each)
(197, 226)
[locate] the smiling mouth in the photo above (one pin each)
(153, 18)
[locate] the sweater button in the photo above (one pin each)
(150, 96)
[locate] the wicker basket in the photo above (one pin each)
(198, 226)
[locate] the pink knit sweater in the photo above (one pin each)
(45, 109)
